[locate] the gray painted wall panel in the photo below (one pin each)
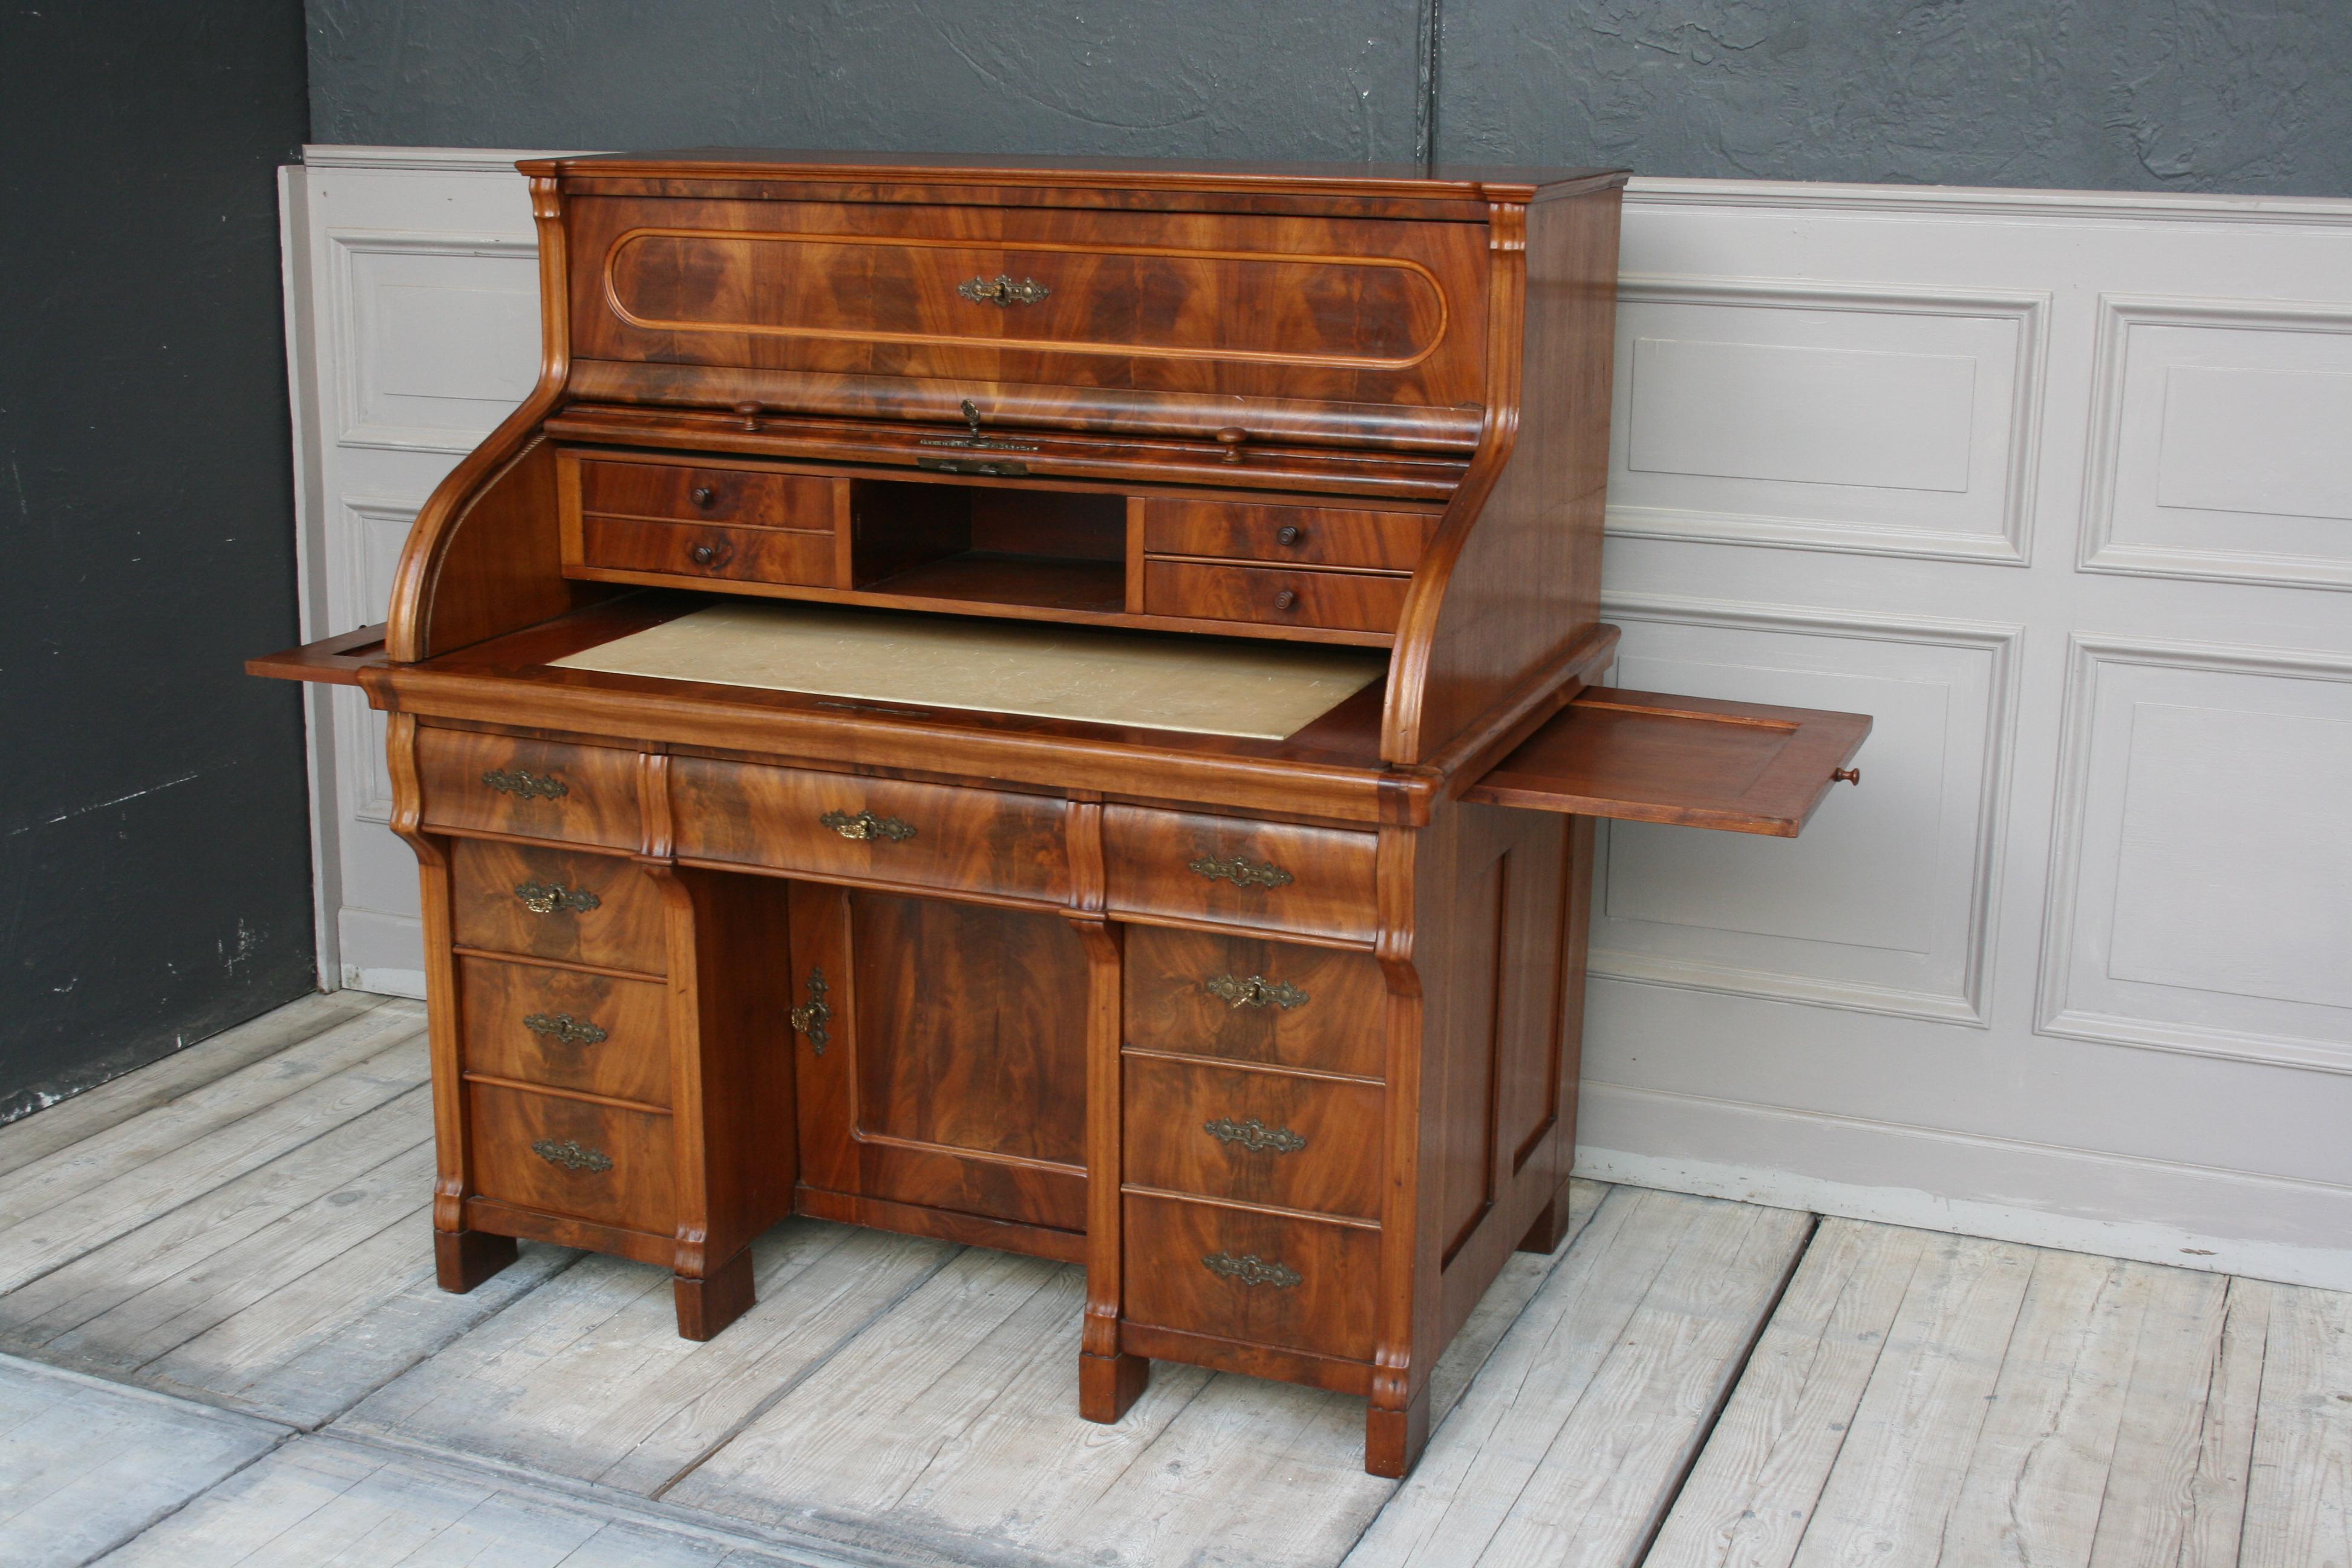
(2225, 95)
(1213, 79)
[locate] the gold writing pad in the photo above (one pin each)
(1207, 686)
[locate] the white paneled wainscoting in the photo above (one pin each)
(2056, 485)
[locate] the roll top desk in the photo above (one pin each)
(1276, 1033)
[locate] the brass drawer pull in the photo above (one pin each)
(1242, 873)
(566, 1028)
(552, 898)
(1002, 291)
(1255, 992)
(866, 825)
(573, 1156)
(524, 785)
(1255, 1136)
(1249, 1269)
(810, 1018)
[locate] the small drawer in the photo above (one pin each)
(756, 497)
(883, 831)
(1275, 596)
(1227, 870)
(1293, 535)
(594, 1032)
(1251, 1000)
(549, 903)
(1254, 1136)
(1304, 1284)
(705, 549)
(533, 789)
(574, 1157)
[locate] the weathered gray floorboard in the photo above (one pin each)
(85, 1466)
(2299, 1495)
(93, 1111)
(319, 1501)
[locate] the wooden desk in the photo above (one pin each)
(1277, 1036)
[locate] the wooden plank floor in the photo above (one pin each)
(220, 1344)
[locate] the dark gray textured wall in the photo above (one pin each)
(154, 862)
(2230, 95)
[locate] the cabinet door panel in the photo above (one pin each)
(952, 1071)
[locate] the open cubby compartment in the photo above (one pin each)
(1061, 550)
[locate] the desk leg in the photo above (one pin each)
(1109, 1380)
(706, 1306)
(464, 1258)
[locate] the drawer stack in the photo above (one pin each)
(1336, 569)
(729, 524)
(1255, 1107)
(561, 961)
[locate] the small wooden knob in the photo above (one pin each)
(702, 555)
(1848, 775)
(750, 413)
(1285, 599)
(1288, 534)
(704, 496)
(1231, 438)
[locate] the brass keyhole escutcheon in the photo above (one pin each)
(555, 898)
(526, 785)
(1254, 1135)
(866, 825)
(1249, 1269)
(1240, 872)
(573, 1155)
(565, 1028)
(1258, 991)
(810, 1016)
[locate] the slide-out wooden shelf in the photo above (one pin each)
(1640, 756)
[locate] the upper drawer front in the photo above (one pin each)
(1267, 876)
(1249, 999)
(533, 789)
(702, 549)
(594, 1033)
(1359, 310)
(1292, 535)
(886, 831)
(1255, 1137)
(546, 903)
(673, 492)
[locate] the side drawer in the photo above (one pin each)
(758, 497)
(1254, 1136)
(533, 789)
(560, 1028)
(1269, 1280)
(1267, 876)
(1249, 999)
(707, 549)
(551, 904)
(593, 1162)
(1291, 535)
(1275, 595)
(881, 831)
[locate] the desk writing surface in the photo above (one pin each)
(1199, 685)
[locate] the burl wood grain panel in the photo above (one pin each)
(551, 904)
(1226, 870)
(533, 789)
(1314, 1287)
(707, 550)
(594, 1033)
(573, 1157)
(1275, 596)
(1334, 1021)
(883, 831)
(1333, 308)
(1255, 1136)
(674, 492)
(1292, 535)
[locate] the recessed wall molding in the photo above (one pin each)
(2153, 935)
(464, 350)
(374, 532)
(1967, 855)
(2268, 498)
(1953, 479)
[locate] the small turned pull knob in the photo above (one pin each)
(702, 555)
(1288, 534)
(1847, 776)
(750, 413)
(1285, 599)
(704, 496)
(1231, 438)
